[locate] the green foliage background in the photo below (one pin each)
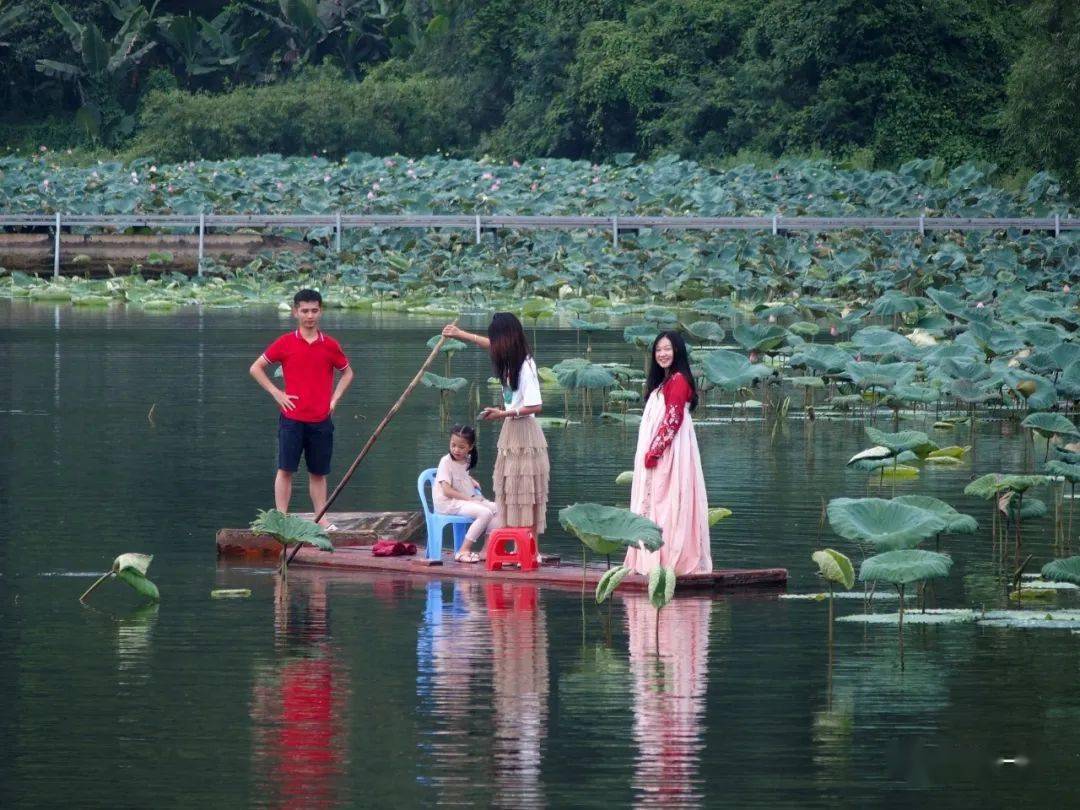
(876, 81)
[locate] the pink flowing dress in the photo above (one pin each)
(672, 493)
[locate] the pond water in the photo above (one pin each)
(376, 691)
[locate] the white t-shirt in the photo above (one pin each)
(528, 390)
(454, 473)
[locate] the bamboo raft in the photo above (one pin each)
(359, 530)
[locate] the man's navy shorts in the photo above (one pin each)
(314, 439)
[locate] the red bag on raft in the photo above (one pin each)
(392, 548)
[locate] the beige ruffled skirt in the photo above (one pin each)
(521, 474)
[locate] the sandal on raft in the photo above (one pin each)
(467, 557)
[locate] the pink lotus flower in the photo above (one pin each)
(486, 176)
(494, 187)
(516, 164)
(595, 180)
(326, 178)
(375, 187)
(43, 148)
(1066, 289)
(980, 305)
(411, 173)
(153, 186)
(534, 187)
(45, 185)
(754, 357)
(153, 168)
(389, 163)
(772, 319)
(280, 186)
(834, 331)
(371, 195)
(170, 189)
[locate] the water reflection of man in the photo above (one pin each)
(298, 705)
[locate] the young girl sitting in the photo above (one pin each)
(458, 493)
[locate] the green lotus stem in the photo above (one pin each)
(100, 579)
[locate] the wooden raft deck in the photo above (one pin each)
(353, 553)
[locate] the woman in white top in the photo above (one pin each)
(521, 465)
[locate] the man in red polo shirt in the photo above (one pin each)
(308, 359)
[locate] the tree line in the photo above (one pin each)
(879, 81)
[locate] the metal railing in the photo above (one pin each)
(478, 223)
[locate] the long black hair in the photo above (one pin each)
(509, 347)
(680, 362)
(468, 433)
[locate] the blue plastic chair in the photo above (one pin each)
(436, 523)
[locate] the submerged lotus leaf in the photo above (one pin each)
(759, 337)
(955, 522)
(1066, 569)
(607, 529)
(631, 419)
(914, 440)
(882, 523)
(904, 566)
(1050, 424)
(443, 383)
(291, 530)
(835, 567)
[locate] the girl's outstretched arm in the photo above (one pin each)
(452, 330)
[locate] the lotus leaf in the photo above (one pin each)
(882, 523)
(131, 569)
(291, 529)
(1070, 472)
(449, 346)
(835, 567)
(823, 359)
(1050, 424)
(610, 580)
(1030, 509)
(625, 478)
(955, 522)
(1066, 569)
(730, 371)
(902, 567)
(914, 440)
(717, 514)
(952, 451)
(443, 383)
(707, 330)
(607, 529)
(759, 337)
(661, 586)
(879, 375)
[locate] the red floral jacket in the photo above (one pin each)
(677, 393)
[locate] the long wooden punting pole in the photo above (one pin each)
(378, 430)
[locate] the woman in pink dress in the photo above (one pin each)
(669, 486)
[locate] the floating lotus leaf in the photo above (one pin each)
(631, 419)
(546, 422)
(661, 586)
(899, 471)
(443, 383)
(952, 451)
(759, 337)
(717, 514)
(625, 478)
(290, 530)
(902, 567)
(707, 330)
(1050, 424)
(1066, 569)
(835, 567)
(607, 529)
(914, 440)
(730, 371)
(623, 395)
(955, 522)
(610, 580)
(883, 524)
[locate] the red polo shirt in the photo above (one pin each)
(309, 372)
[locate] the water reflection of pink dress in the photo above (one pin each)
(669, 703)
(672, 493)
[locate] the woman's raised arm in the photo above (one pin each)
(452, 330)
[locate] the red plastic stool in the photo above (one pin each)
(523, 555)
(503, 596)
